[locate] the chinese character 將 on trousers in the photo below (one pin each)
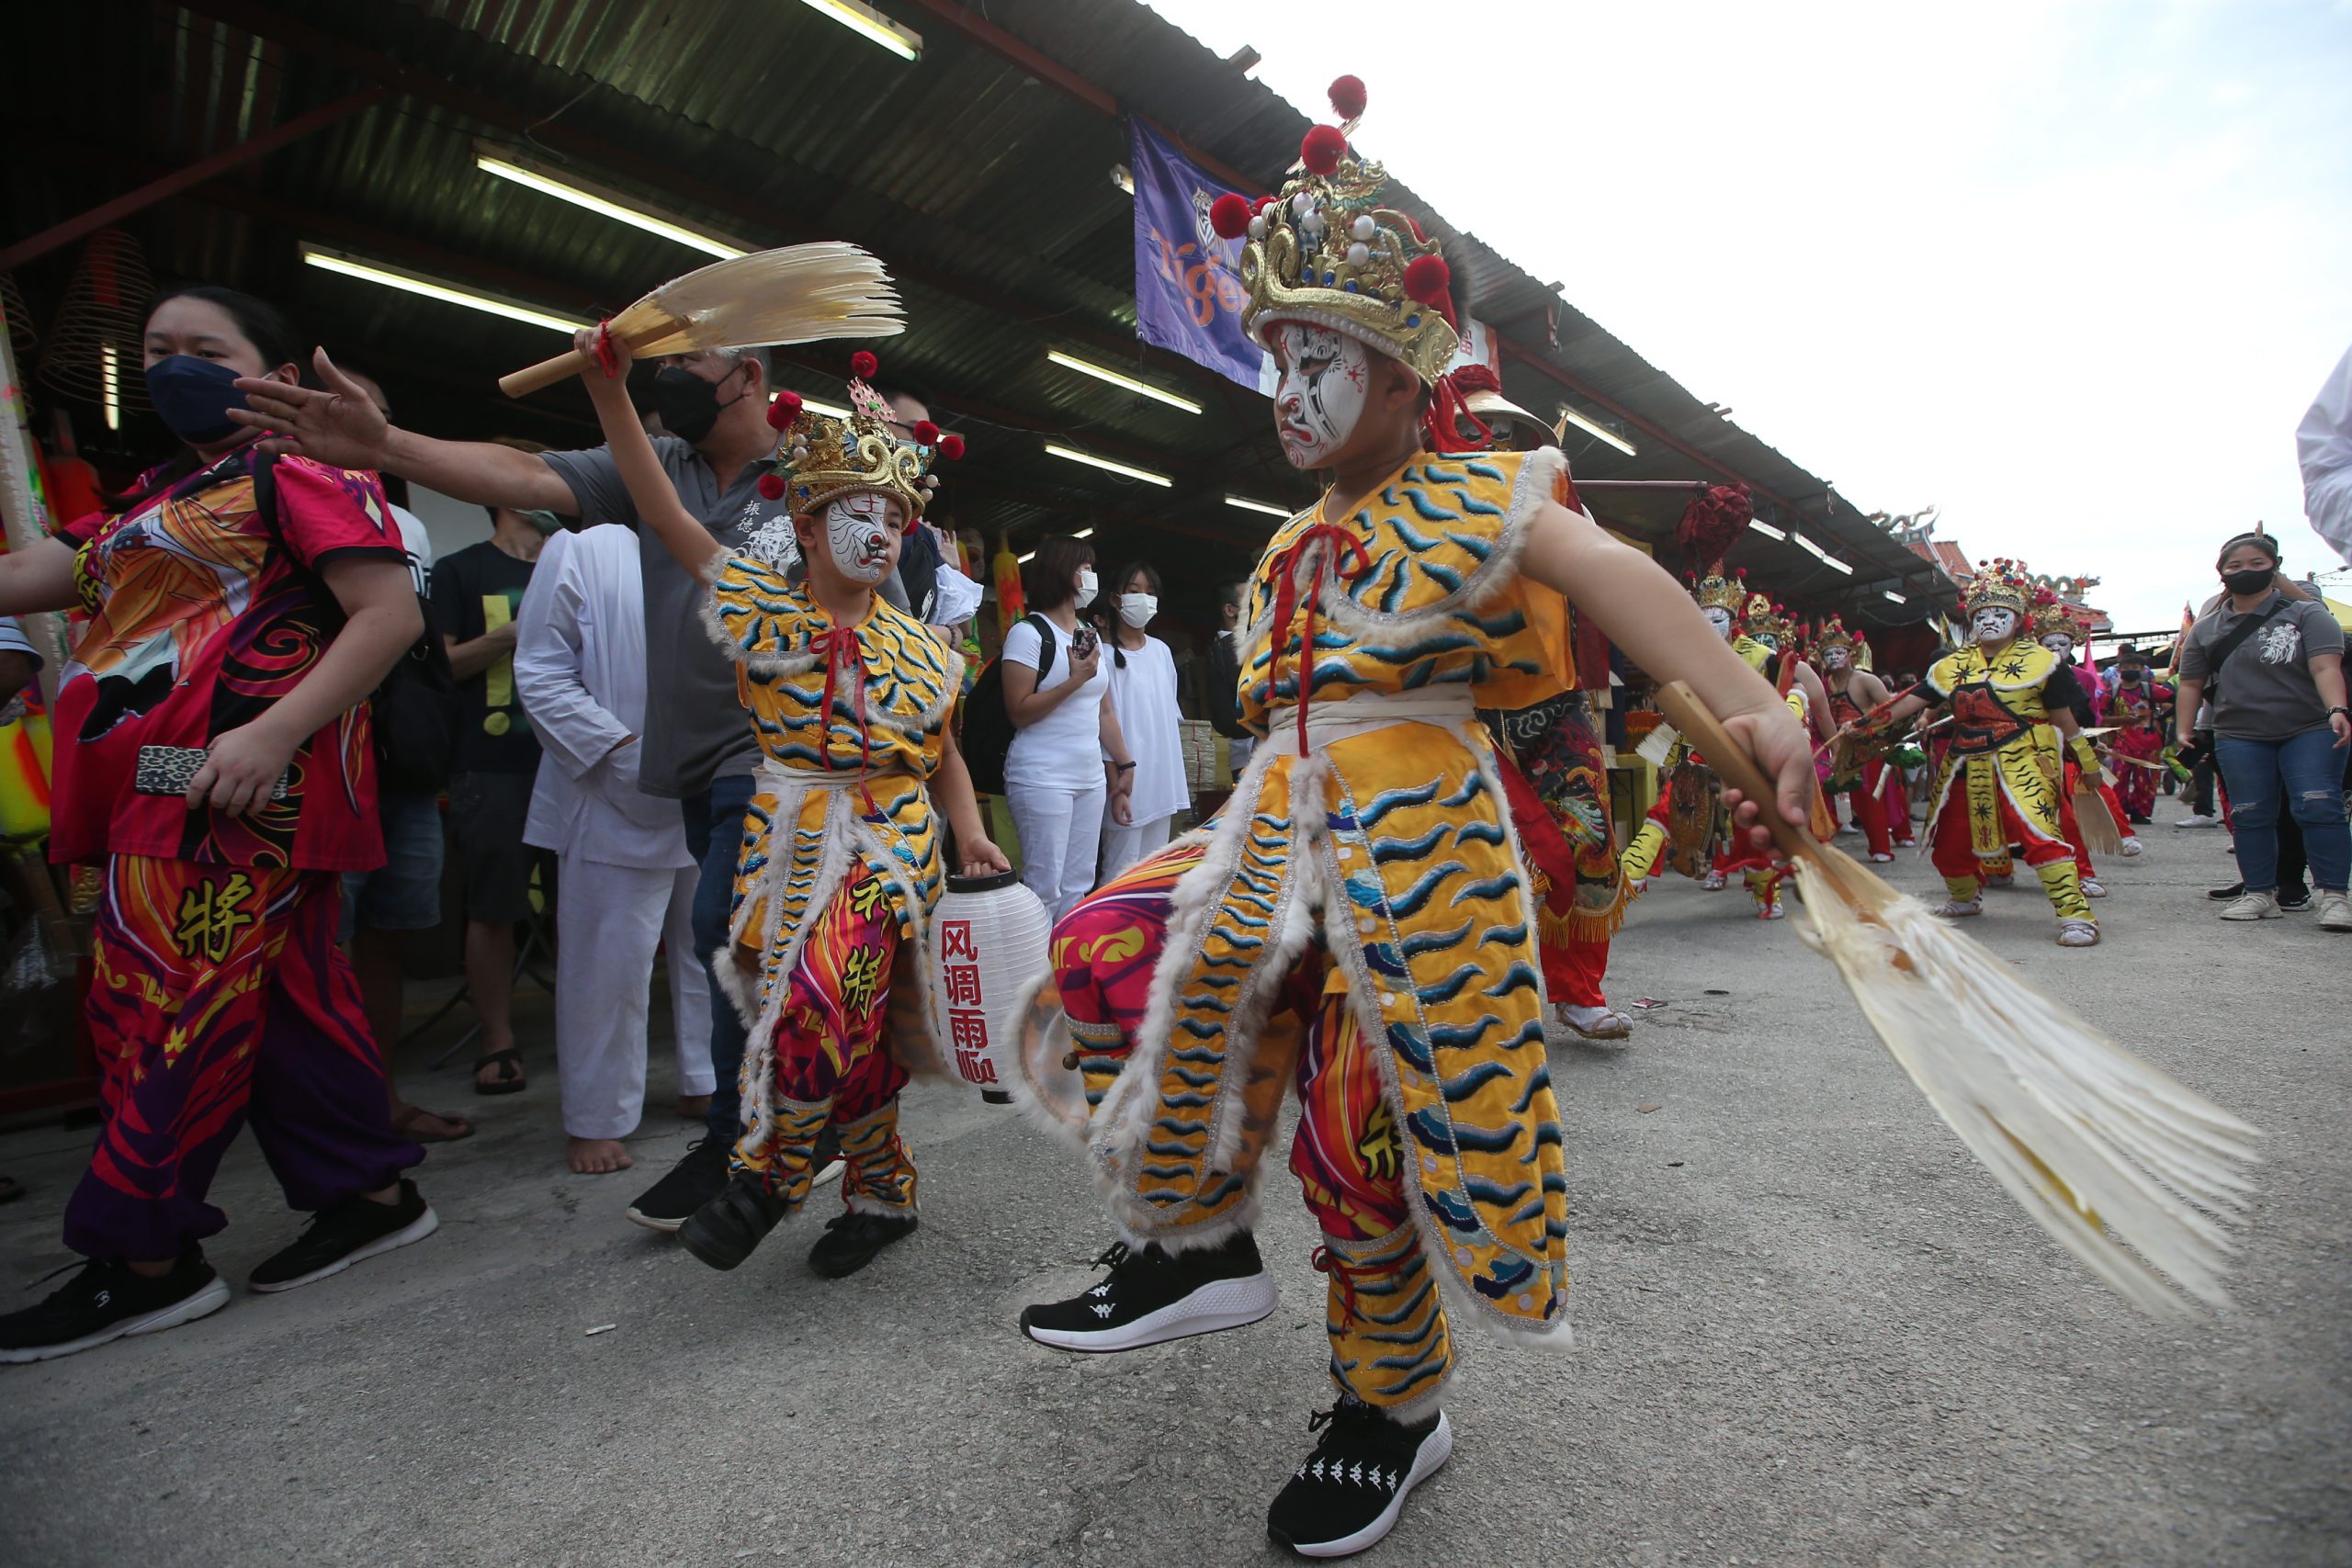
(832, 1063)
(217, 998)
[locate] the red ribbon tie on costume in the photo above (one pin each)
(606, 360)
(840, 648)
(1341, 546)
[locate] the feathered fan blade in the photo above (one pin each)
(2101, 836)
(2127, 1169)
(1713, 519)
(1657, 745)
(795, 294)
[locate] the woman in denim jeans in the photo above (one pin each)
(2279, 726)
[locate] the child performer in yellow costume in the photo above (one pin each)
(2000, 785)
(841, 858)
(1358, 923)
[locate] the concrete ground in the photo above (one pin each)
(1810, 1330)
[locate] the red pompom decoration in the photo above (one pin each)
(1324, 147)
(771, 487)
(1427, 279)
(1229, 215)
(784, 411)
(864, 366)
(951, 446)
(1477, 379)
(1348, 97)
(926, 434)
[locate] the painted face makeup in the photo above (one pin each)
(1720, 619)
(1325, 379)
(858, 528)
(2060, 644)
(1993, 624)
(1834, 659)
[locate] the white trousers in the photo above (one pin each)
(1061, 832)
(609, 920)
(1122, 847)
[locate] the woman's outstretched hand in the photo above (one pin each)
(337, 423)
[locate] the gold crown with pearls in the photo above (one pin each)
(1999, 584)
(820, 458)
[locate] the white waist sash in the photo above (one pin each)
(1451, 707)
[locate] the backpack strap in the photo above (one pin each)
(2235, 639)
(1044, 645)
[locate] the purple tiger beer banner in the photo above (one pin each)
(1188, 281)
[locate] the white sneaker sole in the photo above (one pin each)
(203, 1303)
(831, 1173)
(1218, 1306)
(423, 1225)
(636, 1216)
(1435, 1449)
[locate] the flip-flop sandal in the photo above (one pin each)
(405, 1119)
(509, 1064)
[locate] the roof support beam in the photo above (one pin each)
(201, 172)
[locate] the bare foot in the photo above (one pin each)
(694, 1107)
(596, 1156)
(428, 1126)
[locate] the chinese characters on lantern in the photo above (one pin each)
(967, 1026)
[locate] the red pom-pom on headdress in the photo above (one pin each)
(864, 366)
(951, 446)
(1324, 147)
(784, 411)
(1348, 97)
(1229, 215)
(1428, 281)
(772, 486)
(1477, 379)
(926, 434)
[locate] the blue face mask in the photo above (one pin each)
(193, 395)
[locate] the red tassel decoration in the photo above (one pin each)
(1324, 147)
(771, 487)
(1348, 97)
(951, 446)
(864, 366)
(926, 434)
(785, 410)
(1229, 215)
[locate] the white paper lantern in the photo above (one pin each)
(987, 943)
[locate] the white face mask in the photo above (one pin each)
(2060, 644)
(1719, 619)
(1325, 379)
(1085, 586)
(1993, 624)
(859, 528)
(1137, 609)
(1833, 658)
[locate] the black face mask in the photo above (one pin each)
(2248, 583)
(193, 395)
(688, 404)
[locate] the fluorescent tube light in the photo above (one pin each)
(1823, 556)
(112, 380)
(1024, 560)
(1892, 597)
(1119, 379)
(604, 202)
(867, 22)
(434, 288)
(1597, 431)
(1091, 460)
(1084, 534)
(1757, 526)
(1247, 504)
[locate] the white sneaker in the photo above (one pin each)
(2255, 906)
(2335, 912)
(1714, 882)
(1773, 912)
(1958, 908)
(1882, 859)
(2133, 846)
(2094, 889)
(2077, 934)
(2197, 820)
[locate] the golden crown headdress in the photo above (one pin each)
(820, 458)
(1326, 251)
(1717, 591)
(1832, 633)
(2001, 584)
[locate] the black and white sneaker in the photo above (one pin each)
(344, 1233)
(107, 1300)
(1152, 1295)
(1350, 1489)
(700, 1176)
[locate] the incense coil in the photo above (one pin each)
(101, 323)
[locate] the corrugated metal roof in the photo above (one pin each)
(987, 189)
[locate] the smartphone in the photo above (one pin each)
(1082, 641)
(167, 770)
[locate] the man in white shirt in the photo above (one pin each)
(625, 880)
(2324, 443)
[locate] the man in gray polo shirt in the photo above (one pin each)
(697, 745)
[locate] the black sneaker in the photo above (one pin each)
(723, 1232)
(106, 1301)
(1350, 1491)
(851, 1241)
(2295, 900)
(1152, 1295)
(348, 1233)
(2223, 895)
(700, 1176)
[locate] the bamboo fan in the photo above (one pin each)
(2101, 834)
(794, 294)
(2129, 1170)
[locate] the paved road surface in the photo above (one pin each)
(1809, 1330)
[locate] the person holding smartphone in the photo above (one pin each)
(1068, 766)
(215, 760)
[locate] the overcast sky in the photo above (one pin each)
(2070, 269)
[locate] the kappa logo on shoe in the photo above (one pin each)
(1102, 1311)
(1102, 1289)
(102, 1298)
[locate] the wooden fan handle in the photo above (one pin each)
(563, 367)
(1718, 749)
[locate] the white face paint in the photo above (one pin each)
(1137, 609)
(1719, 619)
(1834, 659)
(1325, 379)
(1993, 624)
(2060, 644)
(860, 529)
(1087, 586)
